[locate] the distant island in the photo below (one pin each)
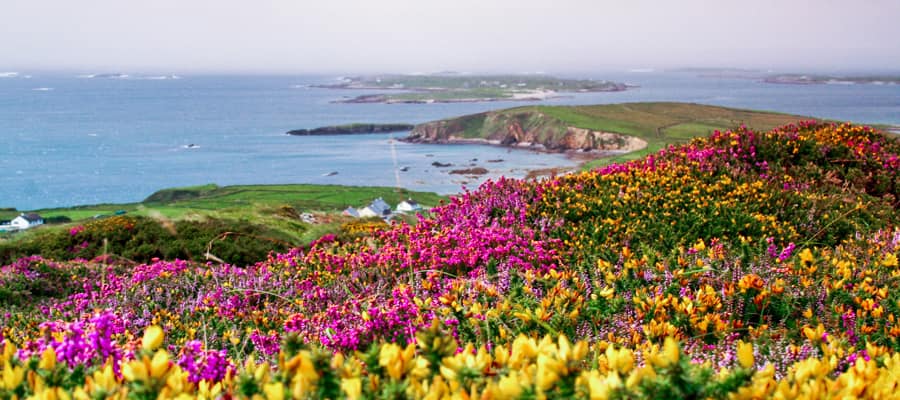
(351, 129)
(791, 78)
(800, 79)
(460, 88)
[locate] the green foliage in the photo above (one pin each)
(38, 278)
(140, 239)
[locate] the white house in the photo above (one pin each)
(408, 205)
(26, 221)
(377, 208)
(350, 211)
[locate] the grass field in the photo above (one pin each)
(258, 203)
(660, 124)
(663, 123)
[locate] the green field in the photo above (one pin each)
(262, 204)
(660, 123)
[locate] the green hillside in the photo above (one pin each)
(659, 123)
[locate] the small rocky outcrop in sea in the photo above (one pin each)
(470, 171)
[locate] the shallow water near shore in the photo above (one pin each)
(85, 141)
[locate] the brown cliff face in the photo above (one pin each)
(529, 129)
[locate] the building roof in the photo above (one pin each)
(31, 217)
(380, 207)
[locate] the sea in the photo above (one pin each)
(71, 139)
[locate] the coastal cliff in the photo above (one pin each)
(526, 128)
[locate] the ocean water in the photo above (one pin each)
(66, 140)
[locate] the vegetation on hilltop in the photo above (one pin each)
(195, 202)
(238, 224)
(746, 264)
(659, 124)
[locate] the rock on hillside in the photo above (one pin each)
(525, 128)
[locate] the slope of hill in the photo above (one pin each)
(645, 127)
(746, 264)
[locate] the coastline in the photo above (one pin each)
(582, 157)
(531, 95)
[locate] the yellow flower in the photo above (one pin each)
(548, 371)
(104, 379)
(48, 359)
(274, 391)
(396, 360)
(159, 365)
(352, 387)
(509, 387)
(523, 350)
(135, 371)
(153, 338)
(8, 351)
(204, 391)
(745, 354)
(890, 260)
(12, 377)
(699, 246)
(600, 385)
(608, 293)
(806, 256)
(621, 361)
(669, 354)
(671, 350)
(814, 334)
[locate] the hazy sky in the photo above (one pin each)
(465, 35)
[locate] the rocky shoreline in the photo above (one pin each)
(352, 129)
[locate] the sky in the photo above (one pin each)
(328, 36)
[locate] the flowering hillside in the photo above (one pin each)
(743, 265)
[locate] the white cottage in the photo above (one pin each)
(351, 212)
(26, 221)
(377, 208)
(408, 205)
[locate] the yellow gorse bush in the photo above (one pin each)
(545, 368)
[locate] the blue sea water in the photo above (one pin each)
(66, 140)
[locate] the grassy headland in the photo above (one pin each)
(658, 124)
